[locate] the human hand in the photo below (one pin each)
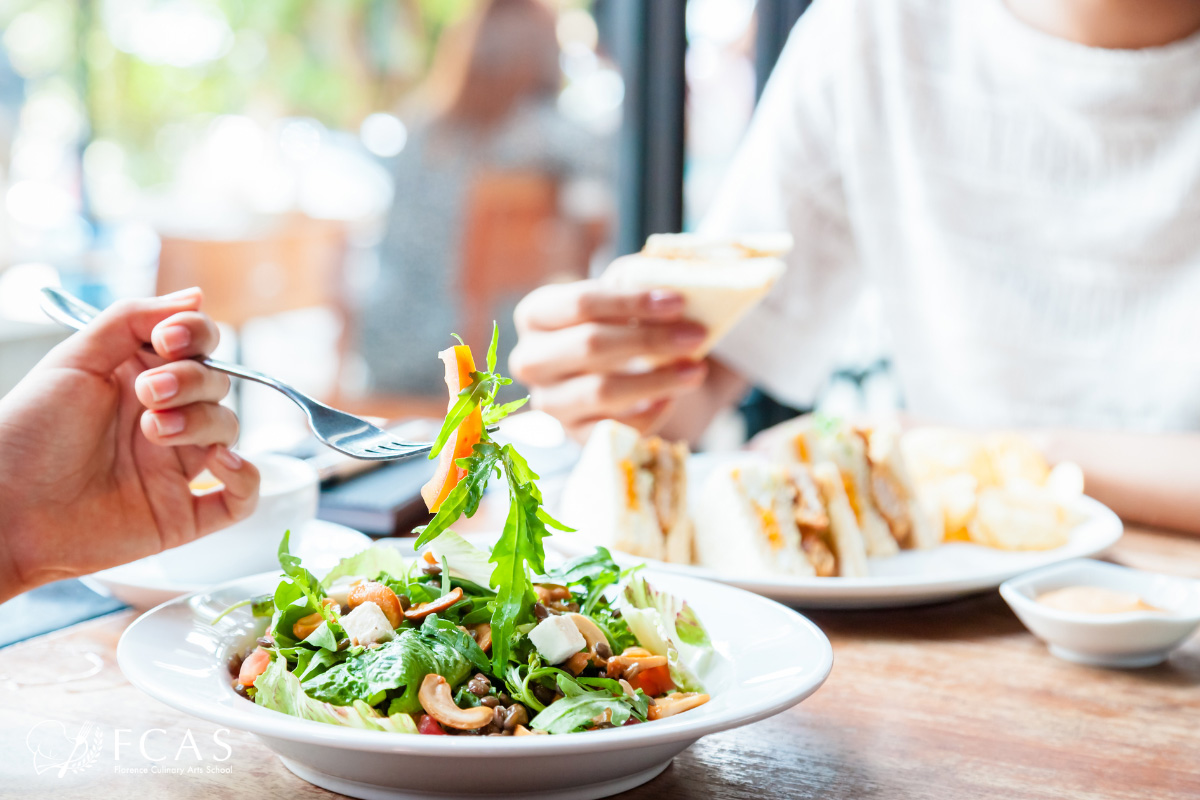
(581, 344)
(99, 442)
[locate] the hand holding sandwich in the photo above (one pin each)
(585, 350)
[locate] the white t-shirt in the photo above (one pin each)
(1027, 208)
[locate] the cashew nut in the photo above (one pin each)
(436, 700)
(675, 703)
(417, 613)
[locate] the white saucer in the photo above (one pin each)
(144, 584)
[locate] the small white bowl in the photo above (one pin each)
(287, 500)
(1130, 639)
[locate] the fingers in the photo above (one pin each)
(233, 503)
(120, 331)
(199, 424)
(541, 357)
(617, 394)
(645, 421)
(562, 305)
(178, 384)
(184, 335)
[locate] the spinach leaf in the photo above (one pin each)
(280, 690)
(395, 668)
(582, 711)
(449, 634)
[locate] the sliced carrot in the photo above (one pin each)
(653, 681)
(459, 366)
(255, 664)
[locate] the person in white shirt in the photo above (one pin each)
(1020, 182)
(99, 441)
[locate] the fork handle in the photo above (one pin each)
(238, 371)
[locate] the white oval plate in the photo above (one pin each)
(771, 659)
(910, 578)
(143, 584)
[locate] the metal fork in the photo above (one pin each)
(343, 432)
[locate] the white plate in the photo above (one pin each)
(144, 584)
(910, 578)
(772, 659)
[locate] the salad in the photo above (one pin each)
(460, 641)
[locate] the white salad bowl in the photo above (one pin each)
(770, 658)
(1128, 639)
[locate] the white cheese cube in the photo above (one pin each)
(557, 639)
(366, 625)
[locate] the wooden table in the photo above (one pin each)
(946, 701)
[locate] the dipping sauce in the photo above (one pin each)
(1094, 600)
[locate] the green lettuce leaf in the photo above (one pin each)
(280, 690)
(394, 669)
(465, 559)
(376, 560)
(667, 626)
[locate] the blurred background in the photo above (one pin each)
(351, 180)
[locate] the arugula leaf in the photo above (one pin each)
(300, 585)
(469, 399)
(464, 498)
(491, 353)
(496, 413)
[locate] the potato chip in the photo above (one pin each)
(1019, 518)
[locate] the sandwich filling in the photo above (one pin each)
(792, 499)
(656, 480)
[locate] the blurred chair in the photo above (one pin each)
(516, 240)
(295, 264)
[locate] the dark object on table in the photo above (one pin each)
(50, 607)
(384, 502)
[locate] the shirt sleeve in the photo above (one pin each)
(787, 176)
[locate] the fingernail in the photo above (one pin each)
(664, 300)
(174, 338)
(688, 337)
(182, 294)
(690, 368)
(230, 459)
(162, 386)
(168, 423)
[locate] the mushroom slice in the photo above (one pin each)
(624, 666)
(598, 651)
(417, 613)
(674, 704)
(438, 703)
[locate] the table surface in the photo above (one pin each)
(955, 700)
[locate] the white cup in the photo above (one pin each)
(287, 501)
